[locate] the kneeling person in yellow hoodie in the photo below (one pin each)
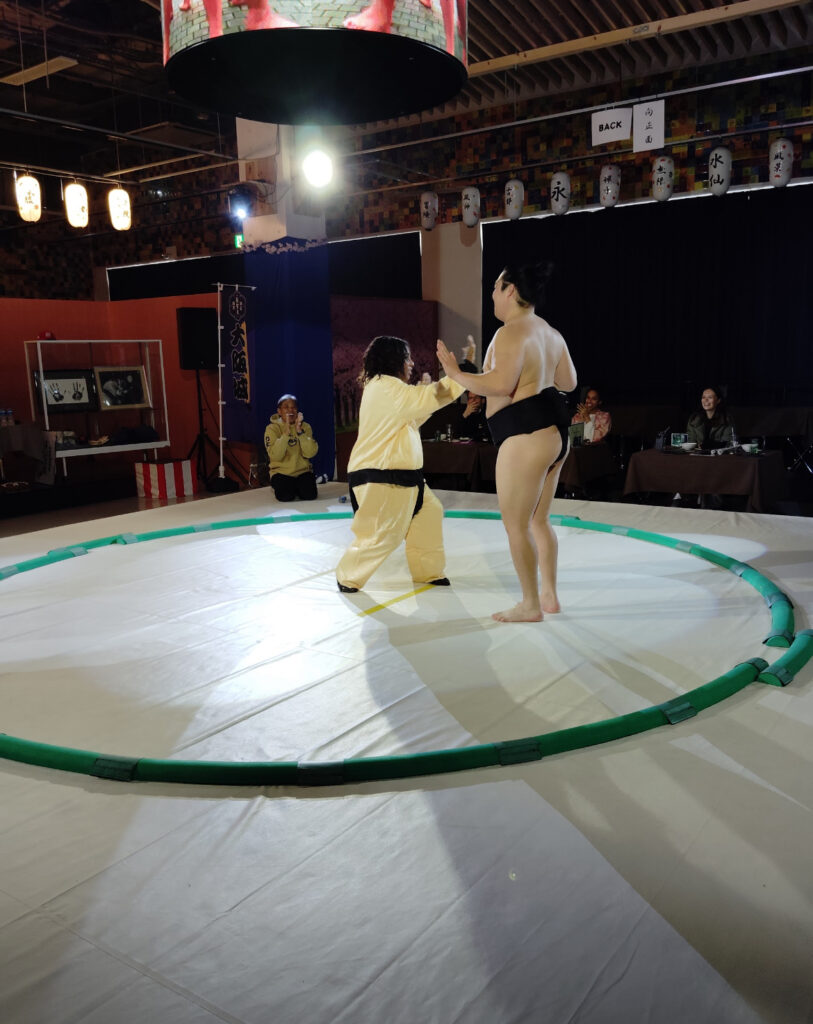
(289, 443)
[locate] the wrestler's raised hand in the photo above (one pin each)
(447, 361)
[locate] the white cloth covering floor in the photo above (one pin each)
(661, 878)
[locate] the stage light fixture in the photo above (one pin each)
(241, 201)
(318, 168)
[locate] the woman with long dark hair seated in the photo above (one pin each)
(711, 426)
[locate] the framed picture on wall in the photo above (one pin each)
(66, 390)
(122, 387)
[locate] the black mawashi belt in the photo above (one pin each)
(397, 477)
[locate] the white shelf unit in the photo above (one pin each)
(90, 354)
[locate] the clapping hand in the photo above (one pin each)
(299, 418)
(426, 378)
(447, 361)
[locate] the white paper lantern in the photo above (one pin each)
(663, 178)
(780, 162)
(514, 198)
(719, 170)
(609, 188)
(76, 205)
(29, 198)
(560, 192)
(471, 206)
(429, 210)
(118, 203)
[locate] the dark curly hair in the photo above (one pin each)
(385, 355)
(529, 279)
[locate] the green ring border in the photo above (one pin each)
(798, 651)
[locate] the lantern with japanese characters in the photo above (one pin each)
(429, 210)
(76, 205)
(29, 198)
(719, 170)
(663, 178)
(780, 162)
(118, 203)
(514, 198)
(609, 185)
(560, 192)
(471, 206)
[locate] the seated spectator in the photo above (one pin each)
(289, 443)
(597, 422)
(473, 421)
(711, 426)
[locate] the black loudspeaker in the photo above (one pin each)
(197, 338)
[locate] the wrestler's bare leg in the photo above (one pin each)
(522, 466)
(447, 9)
(375, 18)
(260, 15)
(167, 21)
(214, 17)
(461, 24)
(547, 545)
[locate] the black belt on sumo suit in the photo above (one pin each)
(398, 477)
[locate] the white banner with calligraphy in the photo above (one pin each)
(648, 120)
(611, 125)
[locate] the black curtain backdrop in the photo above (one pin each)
(175, 277)
(658, 300)
(377, 267)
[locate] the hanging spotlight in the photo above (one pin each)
(241, 202)
(317, 168)
(118, 203)
(76, 205)
(29, 198)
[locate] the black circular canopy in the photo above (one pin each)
(315, 76)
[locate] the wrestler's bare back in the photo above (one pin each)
(541, 353)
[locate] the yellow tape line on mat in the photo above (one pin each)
(395, 600)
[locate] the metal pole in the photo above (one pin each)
(221, 470)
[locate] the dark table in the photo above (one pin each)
(761, 477)
(452, 464)
(582, 466)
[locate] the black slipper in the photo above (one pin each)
(443, 582)
(346, 590)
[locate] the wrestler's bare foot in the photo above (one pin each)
(550, 604)
(375, 18)
(267, 19)
(519, 613)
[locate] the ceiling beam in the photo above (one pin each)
(633, 33)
